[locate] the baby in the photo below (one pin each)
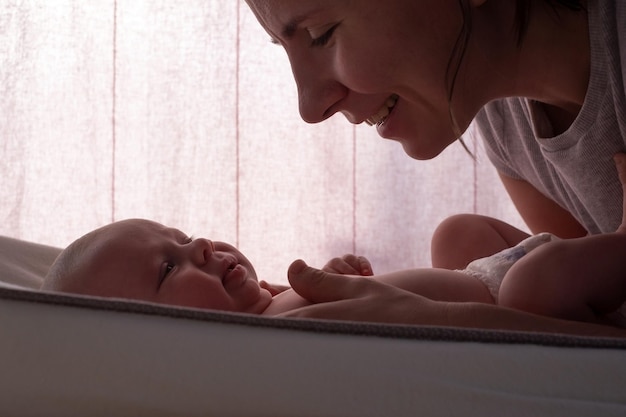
(577, 279)
(144, 260)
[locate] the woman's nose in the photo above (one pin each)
(202, 249)
(318, 103)
(318, 91)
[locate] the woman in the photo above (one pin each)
(423, 71)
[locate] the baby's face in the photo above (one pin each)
(141, 259)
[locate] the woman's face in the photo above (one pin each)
(382, 62)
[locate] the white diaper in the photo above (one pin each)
(492, 269)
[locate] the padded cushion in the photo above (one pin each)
(64, 355)
(76, 356)
(25, 263)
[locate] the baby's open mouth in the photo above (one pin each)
(229, 269)
(381, 115)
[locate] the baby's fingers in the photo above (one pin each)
(341, 266)
(349, 264)
(365, 267)
(274, 289)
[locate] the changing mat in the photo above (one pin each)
(66, 355)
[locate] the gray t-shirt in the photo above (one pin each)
(574, 168)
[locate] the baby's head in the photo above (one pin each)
(144, 260)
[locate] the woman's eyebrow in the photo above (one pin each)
(289, 29)
(292, 26)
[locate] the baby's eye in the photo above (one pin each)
(325, 37)
(165, 271)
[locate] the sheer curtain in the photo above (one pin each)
(184, 113)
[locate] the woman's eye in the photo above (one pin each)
(325, 38)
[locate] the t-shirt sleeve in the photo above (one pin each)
(491, 127)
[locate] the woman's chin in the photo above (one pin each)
(420, 152)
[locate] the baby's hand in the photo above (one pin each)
(349, 265)
(274, 289)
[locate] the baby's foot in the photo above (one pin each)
(620, 164)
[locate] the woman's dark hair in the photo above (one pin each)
(523, 8)
(454, 64)
(522, 16)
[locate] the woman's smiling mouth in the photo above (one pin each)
(381, 115)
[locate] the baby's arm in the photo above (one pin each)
(273, 289)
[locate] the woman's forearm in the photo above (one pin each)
(337, 297)
(477, 315)
(438, 284)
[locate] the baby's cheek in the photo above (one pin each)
(200, 295)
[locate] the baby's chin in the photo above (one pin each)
(258, 304)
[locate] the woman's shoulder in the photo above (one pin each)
(505, 128)
(608, 24)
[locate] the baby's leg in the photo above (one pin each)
(577, 279)
(462, 238)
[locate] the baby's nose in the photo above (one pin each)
(203, 249)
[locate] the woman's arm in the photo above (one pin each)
(438, 284)
(337, 297)
(540, 213)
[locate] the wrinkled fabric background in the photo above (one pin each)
(185, 113)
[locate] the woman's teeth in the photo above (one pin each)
(381, 115)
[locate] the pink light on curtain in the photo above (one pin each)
(183, 112)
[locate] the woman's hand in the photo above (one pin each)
(339, 297)
(346, 265)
